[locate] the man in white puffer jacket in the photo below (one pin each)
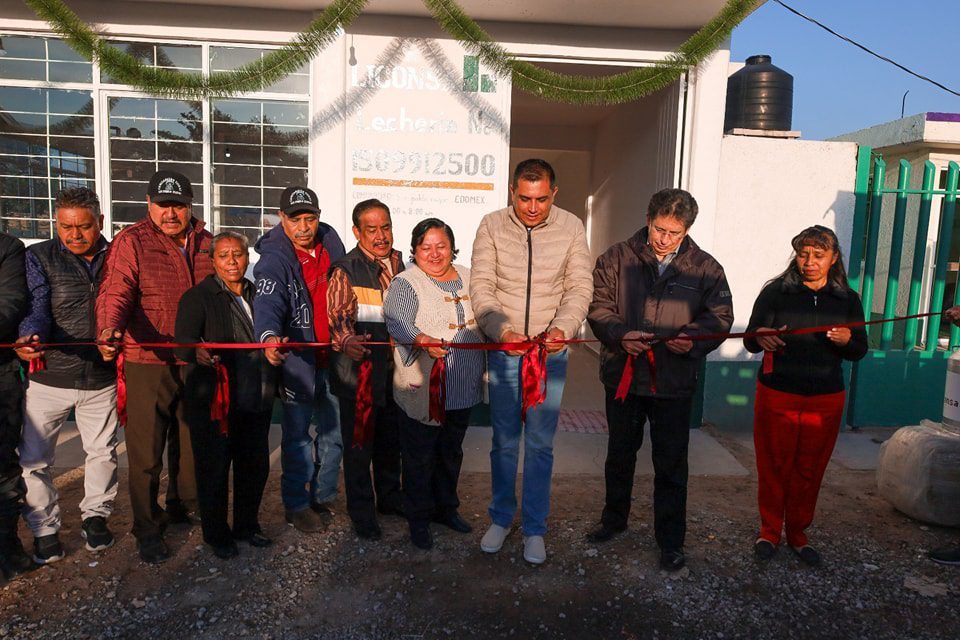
(531, 274)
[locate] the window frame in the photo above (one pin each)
(102, 91)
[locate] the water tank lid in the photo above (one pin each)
(760, 59)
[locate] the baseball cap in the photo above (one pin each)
(295, 200)
(170, 186)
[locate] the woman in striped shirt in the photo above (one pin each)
(427, 304)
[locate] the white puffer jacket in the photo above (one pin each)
(530, 280)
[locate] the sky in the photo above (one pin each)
(837, 87)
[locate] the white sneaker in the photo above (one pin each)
(534, 550)
(493, 539)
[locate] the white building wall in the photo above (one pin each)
(650, 162)
(769, 191)
(704, 135)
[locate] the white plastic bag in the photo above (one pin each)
(919, 472)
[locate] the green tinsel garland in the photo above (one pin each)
(576, 89)
(323, 30)
(272, 67)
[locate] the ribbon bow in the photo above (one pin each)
(533, 376)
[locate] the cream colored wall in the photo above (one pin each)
(631, 161)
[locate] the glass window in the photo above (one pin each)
(230, 58)
(47, 135)
(181, 57)
(254, 159)
(46, 144)
(42, 59)
(147, 135)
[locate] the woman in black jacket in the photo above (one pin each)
(800, 389)
(220, 309)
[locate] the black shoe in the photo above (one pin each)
(153, 550)
(177, 514)
(420, 537)
(946, 555)
(603, 533)
(255, 539)
(808, 555)
(368, 530)
(225, 551)
(672, 560)
(763, 550)
(390, 510)
(94, 530)
(14, 561)
(453, 521)
(47, 549)
(321, 508)
(305, 520)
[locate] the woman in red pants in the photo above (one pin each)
(800, 390)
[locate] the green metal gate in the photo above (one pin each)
(900, 381)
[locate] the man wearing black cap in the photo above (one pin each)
(148, 267)
(291, 305)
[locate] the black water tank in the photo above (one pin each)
(759, 96)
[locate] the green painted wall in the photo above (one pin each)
(729, 391)
(897, 388)
(728, 394)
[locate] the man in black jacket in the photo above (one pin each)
(658, 283)
(62, 280)
(13, 302)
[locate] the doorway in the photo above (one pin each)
(609, 160)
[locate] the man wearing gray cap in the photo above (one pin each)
(291, 305)
(148, 267)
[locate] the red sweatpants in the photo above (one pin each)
(794, 437)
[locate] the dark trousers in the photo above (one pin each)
(383, 453)
(670, 436)
(432, 456)
(12, 488)
(154, 421)
(247, 449)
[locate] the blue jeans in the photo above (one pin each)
(305, 460)
(541, 425)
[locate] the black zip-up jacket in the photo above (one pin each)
(66, 314)
(13, 296)
(209, 312)
(692, 296)
(809, 364)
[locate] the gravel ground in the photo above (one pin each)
(875, 582)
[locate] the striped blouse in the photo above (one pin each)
(464, 367)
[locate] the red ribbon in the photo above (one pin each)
(533, 377)
(363, 409)
(626, 379)
(438, 391)
(121, 391)
(652, 365)
(220, 407)
(479, 346)
(37, 364)
(768, 362)
(533, 369)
